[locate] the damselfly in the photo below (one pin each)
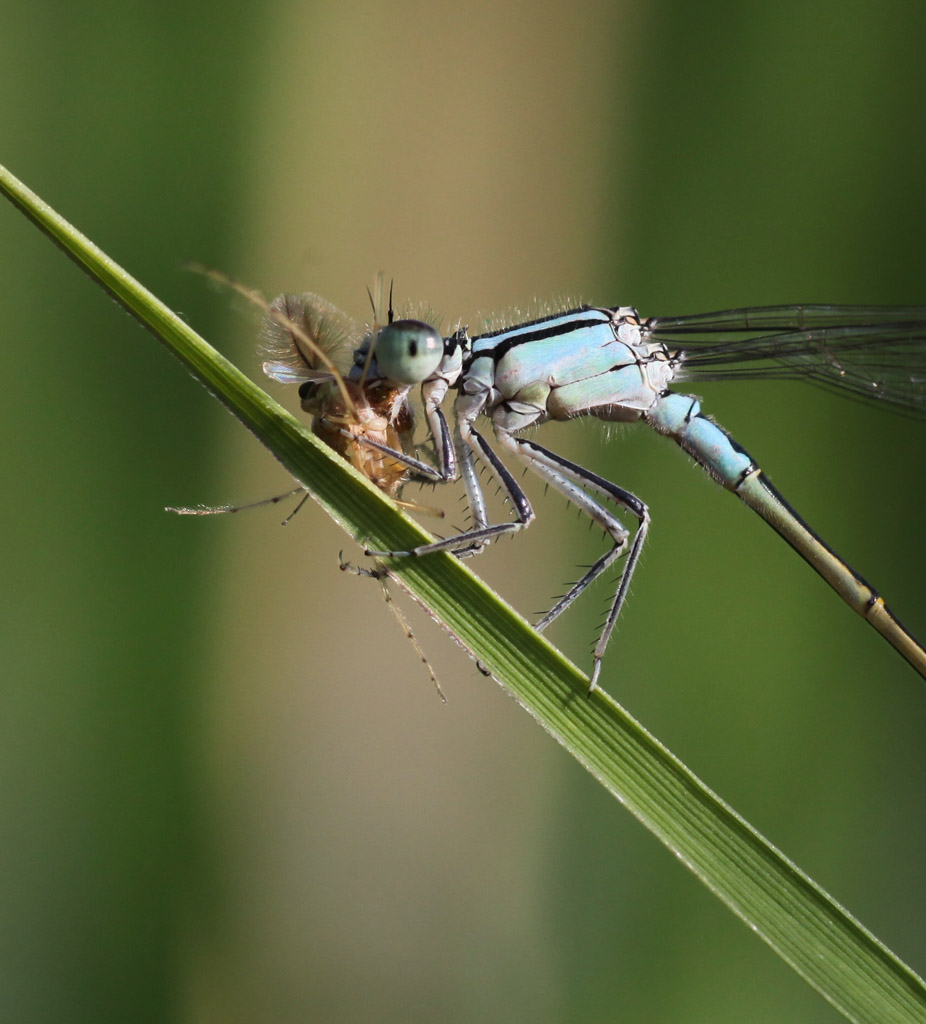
(616, 366)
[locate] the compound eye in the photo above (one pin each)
(408, 351)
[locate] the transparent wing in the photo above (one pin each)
(876, 353)
(287, 374)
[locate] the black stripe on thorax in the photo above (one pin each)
(540, 332)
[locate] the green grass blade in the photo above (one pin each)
(828, 947)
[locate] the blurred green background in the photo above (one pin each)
(228, 790)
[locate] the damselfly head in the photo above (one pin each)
(408, 351)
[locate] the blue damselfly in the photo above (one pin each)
(613, 364)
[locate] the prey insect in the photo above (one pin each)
(368, 421)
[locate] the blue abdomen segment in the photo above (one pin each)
(681, 418)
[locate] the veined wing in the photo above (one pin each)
(876, 353)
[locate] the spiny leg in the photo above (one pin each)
(472, 541)
(572, 480)
(423, 470)
(444, 449)
(476, 501)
